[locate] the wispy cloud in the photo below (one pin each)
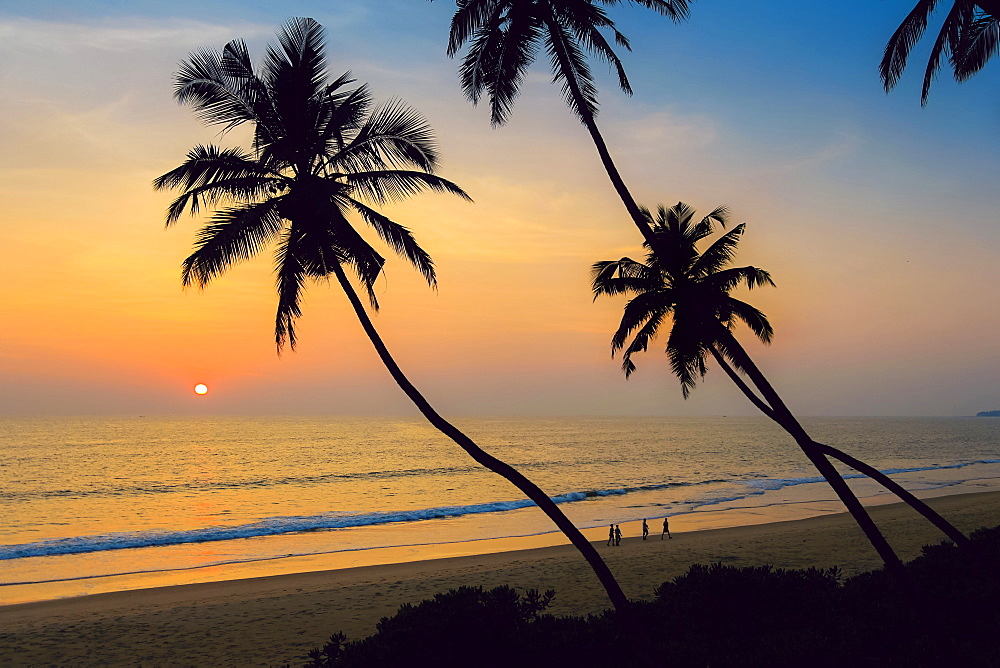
(663, 133)
(121, 35)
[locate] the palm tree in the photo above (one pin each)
(970, 36)
(692, 289)
(504, 38)
(320, 152)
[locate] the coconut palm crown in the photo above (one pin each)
(504, 38)
(321, 153)
(689, 287)
(692, 288)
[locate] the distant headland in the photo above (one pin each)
(988, 414)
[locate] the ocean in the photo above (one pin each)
(104, 504)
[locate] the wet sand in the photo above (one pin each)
(276, 620)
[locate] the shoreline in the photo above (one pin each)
(727, 514)
(278, 618)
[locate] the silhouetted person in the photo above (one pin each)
(666, 528)
(618, 535)
(645, 529)
(611, 535)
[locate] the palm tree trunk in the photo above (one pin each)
(929, 513)
(602, 148)
(784, 417)
(530, 489)
(933, 517)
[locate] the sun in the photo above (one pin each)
(201, 388)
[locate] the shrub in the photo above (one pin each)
(943, 610)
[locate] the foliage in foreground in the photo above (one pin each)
(944, 611)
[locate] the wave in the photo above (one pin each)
(274, 526)
(255, 483)
(330, 521)
(770, 484)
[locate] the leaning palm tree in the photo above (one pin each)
(504, 38)
(692, 289)
(969, 37)
(321, 154)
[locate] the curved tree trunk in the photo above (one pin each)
(602, 148)
(929, 513)
(530, 489)
(784, 417)
(932, 516)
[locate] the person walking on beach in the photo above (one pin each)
(618, 534)
(666, 528)
(645, 529)
(611, 535)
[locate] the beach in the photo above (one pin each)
(278, 619)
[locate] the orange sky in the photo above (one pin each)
(884, 251)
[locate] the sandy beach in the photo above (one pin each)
(276, 620)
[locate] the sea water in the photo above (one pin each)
(99, 504)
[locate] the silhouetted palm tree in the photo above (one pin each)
(692, 290)
(969, 36)
(504, 38)
(320, 151)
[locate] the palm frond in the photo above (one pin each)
(394, 135)
(707, 224)
(947, 42)
(586, 21)
(503, 63)
(290, 283)
(366, 262)
(401, 240)
(205, 81)
(897, 50)
(751, 317)
(570, 70)
(728, 279)
(637, 311)
(205, 164)
(616, 277)
(344, 113)
(686, 352)
(677, 10)
(233, 235)
(249, 88)
(468, 19)
(298, 62)
(479, 64)
(979, 43)
(678, 217)
(211, 175)
(640, 342)
(719, 254)
(295, 73)
(393, 185)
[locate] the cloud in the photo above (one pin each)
(663, 133)
(121, 35)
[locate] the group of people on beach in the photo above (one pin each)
(615, 532)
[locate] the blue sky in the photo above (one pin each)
(876, 217)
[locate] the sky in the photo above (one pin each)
(876, 218)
